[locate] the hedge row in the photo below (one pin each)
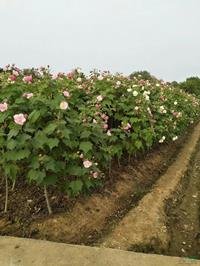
(65, 129)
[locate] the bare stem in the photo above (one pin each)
(13, 185)
(47, 200)
(6, 200)
(119, 165)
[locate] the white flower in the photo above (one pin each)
(78, 70)
(100, 77)
(129, 90)
(64, 105)
(79, 79)
(134, 86)
(175, 103)
(94, 121)
(147, 98)
(135, 93)
(136, 108)
(157, 85)
(99, 98)
(146, 93)
(118, 83)
(162, 139)
(109, 133)
(174, 138)
(164, 111)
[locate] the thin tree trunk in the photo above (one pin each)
(47, 200)
(6, 200)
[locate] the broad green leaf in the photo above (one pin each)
(13, 133)
(52, 142)
(36, 175)
(85, 146)
(50, 128)
(76, 186)
(11, 144)
(34, 116)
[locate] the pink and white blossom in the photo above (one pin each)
(95, 174)
(28, 79)
(87, 164)
(3, 107)
(19, 119)
(28, 95)
(66, 94)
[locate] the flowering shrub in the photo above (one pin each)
(65, 129)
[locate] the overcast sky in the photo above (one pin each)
(161, 36)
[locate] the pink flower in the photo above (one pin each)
(95, 174)
(127, 127)
(81, 156)
(98, 105)
(28, 79)
(19, 119)
(87, 164)
(28, 95)
(99, 98)
(66, 94)
(104, 117)
(3, 107)
(105, 126)
(70, 75)
(12, 78)
(64, 105)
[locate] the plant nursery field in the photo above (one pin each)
(80, 154)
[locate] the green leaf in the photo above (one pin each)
(11, 144)
(35, 164)
(3, 116)
(52, 143)
(75, 170)
(75, 186)
(85, 134)
(138, 144)
(50, 128)
(85, 146)
(13, 132)
(50, 180)
(36, 175)
(11, 170)
(34, 116)
(16, 155)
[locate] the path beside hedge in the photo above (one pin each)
(146, 225)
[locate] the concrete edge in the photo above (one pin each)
(29, 252)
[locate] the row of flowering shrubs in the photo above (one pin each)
(65, 129)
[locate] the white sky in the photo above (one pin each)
(161, 36)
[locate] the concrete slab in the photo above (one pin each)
(28, 252)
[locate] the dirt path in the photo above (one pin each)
(145, 227)
(184, 214)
